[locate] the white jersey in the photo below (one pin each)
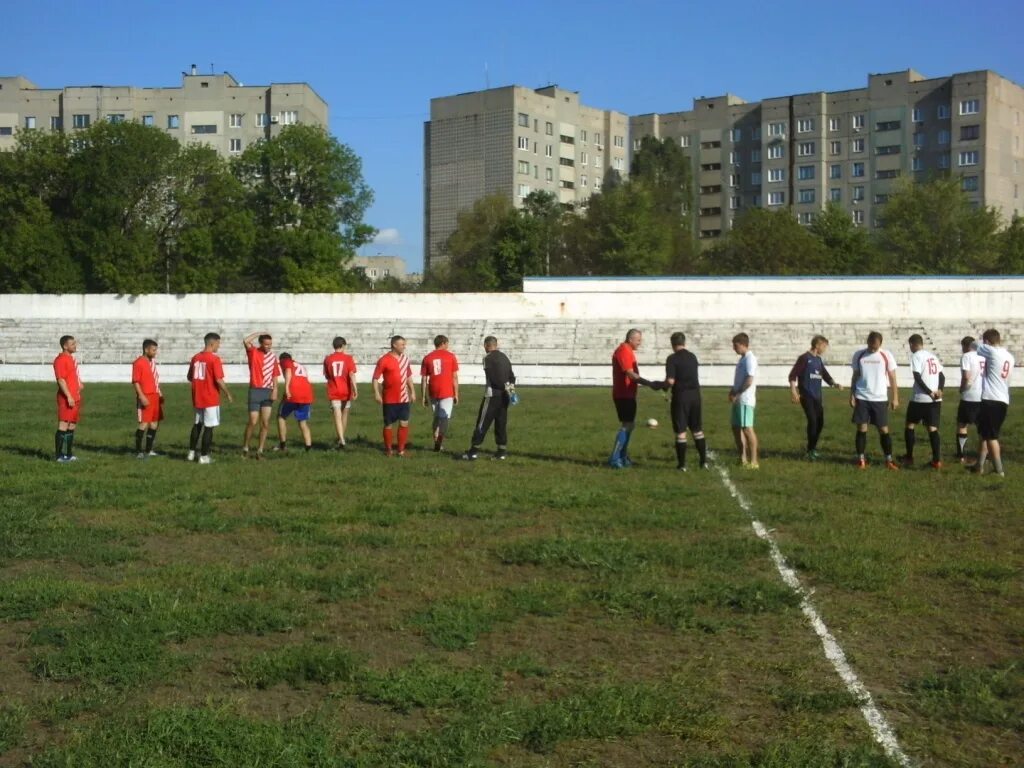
(998, 370)
(973, 366)
(928, 366)
(872, 370)
(747, 366)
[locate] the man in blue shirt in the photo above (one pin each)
(805, 388)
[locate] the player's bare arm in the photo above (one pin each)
(223, 387)
(455, 383)
(63, 386)
(143, 400)
(423, 385)
(794, 395)
(287, 385)
(352, 386)
(377, 395)
(894, 401)
(248, 341)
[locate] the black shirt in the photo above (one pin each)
(682, 367)
(498, 371)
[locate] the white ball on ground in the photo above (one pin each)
(652, 423)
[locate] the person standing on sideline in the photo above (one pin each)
(681, 376)
(340, 372)
(743, 397)
(874, 372)
(972, 373)
(69, 399)
(625, 380)
(995, 398)
(805, 379)
(298, 400)
(263, 373)
(925, 402)
(500, 382)
(440, 384)
(206, 374)
(149, 401)
(395, 390)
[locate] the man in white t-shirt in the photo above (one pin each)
(972, 371)
(873, 383)
(926, 400)
(995, 398)
(743, 397)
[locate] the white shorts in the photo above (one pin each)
(341, 405)
(443, 406)
(208, 417)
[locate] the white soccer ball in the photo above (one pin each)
(652, 423)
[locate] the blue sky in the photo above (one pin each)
(378, 64)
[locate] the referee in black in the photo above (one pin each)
(499, 376)
(681, 376)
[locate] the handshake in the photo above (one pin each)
(655, 385)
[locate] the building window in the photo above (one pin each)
(536, 171)
(835, 195)
(858, 217)
(523, 142)
(618, 164)
(567, 161)
(943, 137)
(566, 184)
(734, 180)
(755, 155)
(567, 139)
(892, 173)
(707, 166)
(736, 135)
(776, 151)
(116, 118)
(776, 175)
(943, 112)
(835, 147)
(597, 182)
(806, 196)
(889, 149)
(835, 123)
(524, 190)
(262, 119)
(776, 129)
(857, 170)
(755, 178)
(583, 158)
(776, 198)
(835, 171)
(618, 141)
(148, 119)
(968, 158)
(236, 120)
(684, 142)
(636, 145)
(549, 174)
(549, 129)
(289, 117)
(734, 202)
(805, 148)
(805, 125)
(858, 193)
(920, 139)
(524, 120)
(857, 145)
(235, 145)
(970, 132)
(524, 167)
(710, 144)
(807, 218)
(889, 125)
(970, 107)
(597, 161)
(858, 122)
(549, 151)
(917, 164)
(917, 115)
(969, 184)
(6, 130)
(204, 129)
(755, 133)
(944, 161)
(81, 121)
(805, 172)
(56, 124)
(583, 136)
(30, 122)
(583, 181)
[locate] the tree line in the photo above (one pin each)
(125, 208)
(644, 225)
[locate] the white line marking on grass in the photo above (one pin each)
(880, 728)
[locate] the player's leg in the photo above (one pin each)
(307, 436)
(750, 437)
(501, 425)
(483, 423)
(282, 428)
(140, 436)
(695, 420)
(211, 420)
(265, 413)
(388, 433)
(346, 407)
(679, 426)
(197, 431)
(403, 435)
(885, 440)
(811, 415)
(909, 436)
(337, 408)
(861, 418)
(625, 410)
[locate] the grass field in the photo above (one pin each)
(343, 609)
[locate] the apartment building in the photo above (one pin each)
(514, 140)
(800, 152)
(212, 109)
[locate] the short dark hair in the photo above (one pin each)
(148, 343)
(440, 340)
(211, 337)
(284, 356)
(741, 338)
(873, 337)
(490, 341)
(991, 336)
(339, 342)
(915, 339)
(65, 339)
(677, 339)
(396, 338)
(265, 337)
(817, 339)
(631, 331)
(965, 343)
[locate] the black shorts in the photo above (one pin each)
(967, 412)
(991, 418)
(686, 414)
(395, 412)
(929, 413)
(871, 412)
(625, 407)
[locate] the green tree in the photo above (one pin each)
(662, 168)
(623, 234)
(468, 264)
(850, 251)
(764, 242)
(932, 228)
(1011, 247)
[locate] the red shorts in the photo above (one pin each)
(65, 413)
(153, 412)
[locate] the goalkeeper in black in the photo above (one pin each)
(500, 382)
(682, 378)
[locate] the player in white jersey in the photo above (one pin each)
(995, 398)
(925, 402)
(873, 383)
(743, 397)
(972, 371)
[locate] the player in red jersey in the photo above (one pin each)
(340, 372)
(69, 399)
(298, 399)
(394, 389)
(263, 373)
(206, 373)
(625, 379)
(149, 402)
(440, 382)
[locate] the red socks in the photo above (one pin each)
(403, 436)
(387, 439)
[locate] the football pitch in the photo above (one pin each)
(345, 609)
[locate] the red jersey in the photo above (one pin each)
(441, 366)
(66, 367)
(263, 368)
(146, 375)
(394, 373)
(204, 371)
(337, 368)
(301, 389)
(623, 360)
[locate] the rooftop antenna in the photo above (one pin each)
(212, 70)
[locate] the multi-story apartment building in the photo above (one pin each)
(512, 141)
(800, 152)
(212, 109)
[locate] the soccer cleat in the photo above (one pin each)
(245, 453)
(935, 465)
(862, 463)
(470, 455)
(812, 456)
(151, 454)
(63, 459)
(259, 456)
(907, 461)
(963, 460)
(752, 466)
(205, 460)
(501, 455)
(401, 454)
(681, 468)
(626, 461)
(704, 465)
(616, 463)
(892, 465)
(72, 458)
(191, 456)
(140, 455)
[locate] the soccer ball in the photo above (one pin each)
(652, 423)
